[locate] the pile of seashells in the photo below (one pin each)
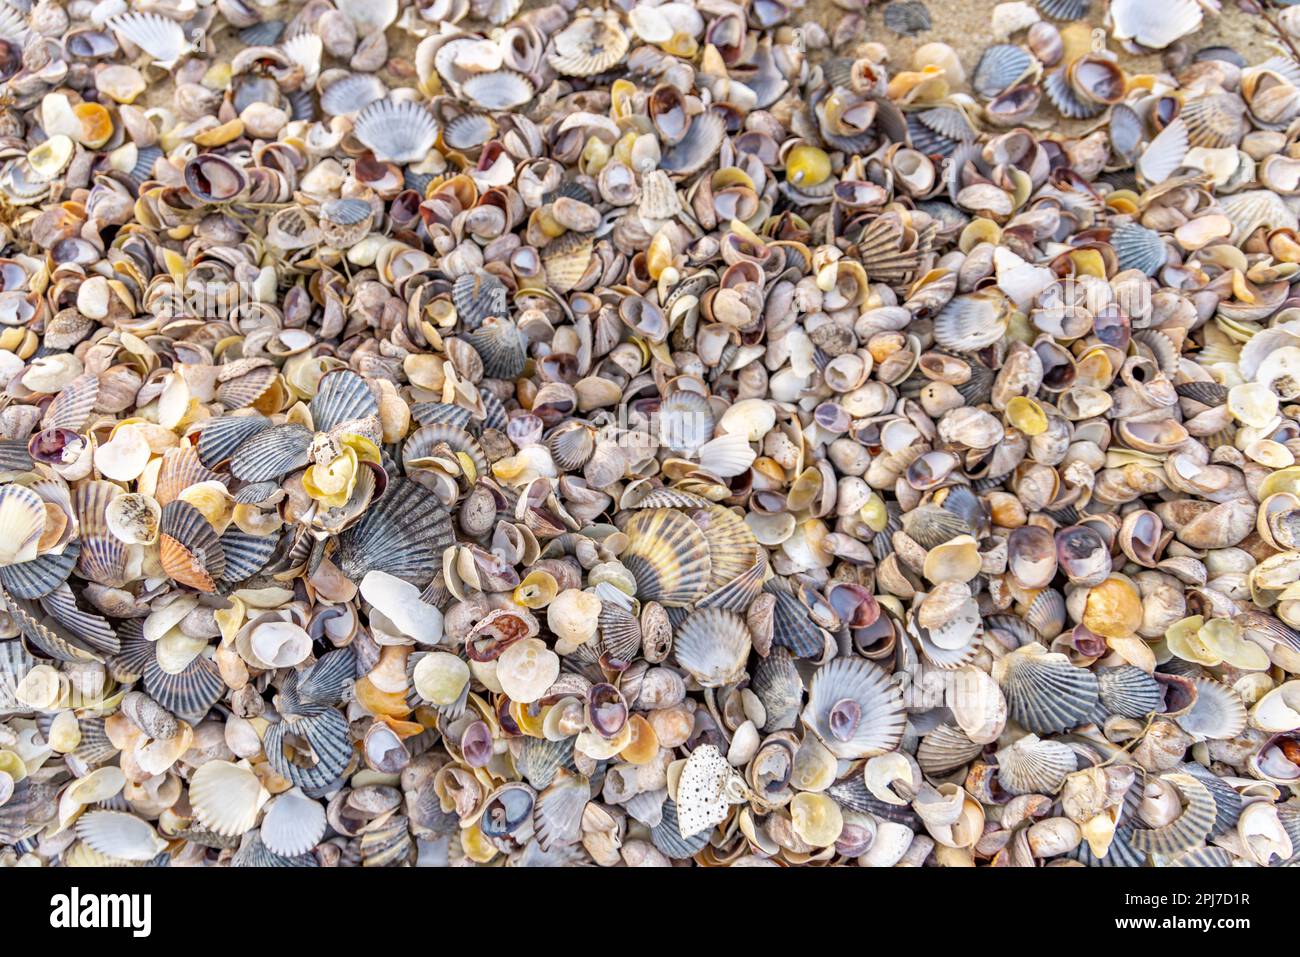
(449, 432)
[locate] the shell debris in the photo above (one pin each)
(648, 433)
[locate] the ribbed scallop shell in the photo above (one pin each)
(424, 440)
(698, 147)
(226, 797)
(254, 853)
(668, 555)
(686, 421)
(571, 445)
(15, 662)
(469, 131)
(1202, 857)
(792, 626)
(221, 436)
(1227, 802)
(293, 824)
(181, 468)
(1000, 66)
(189, 548)
(188, 694)
(1126, 131)
(620, 631)
(713, 645)
(1045, 693)
(1046, 613)
(1189, 829)
(881, 721)
(72, 407)
(1065, 9)
(28, 810)
(404, 534)
(161, 38)
(272, 453)
(739, 593)
(1218, 713)
(121, 836)
(351, 94)
(732, 546)
(435, 413)
(89, 629)
(557, 813)
(1251, 209)
(1129, 692)
(501, 346)
(1033, 766)
(243, 390)
(1058, 89)
(396, 131)
(41, 575)
(970, 323)
(330, 750)
(14, 456)
(851, 793)
(1164, 154)
(387, 843)
(103, 555)
(667, 836)
(320, 687)
(246, 555)
(931, 526)
(540, 760)
(1215, 120)
(591, 44)
(342, 396)
(1139, 248)
(776, 683)
(945, 749)
(477, 296)
(566, 260)
(500, 90)
(22, 520)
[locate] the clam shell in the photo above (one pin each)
(396, 131)
(1045, 693)
(571, 445)
(713, 645)
(540, 760)
(352, 93)
(272, 453)
(341, 397)
(776, 683)
(1215, 120)
(1034, 766)
(501, 346)
(880, 721)
(404, 534)
(668, 555)
(930, 525)
(1154, 26)
(226, 797)
(970, 323)
(698, 147)
(1139, 248)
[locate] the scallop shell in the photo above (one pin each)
(566, 260)
(313, 752)
(341, 397)
(972, 322)
(246, 555)
(91, 632)
(776, 683)
(591, 44)
(792, 627)
(319, 687)
(181, 468)
(1186, 831)
(1215, 120)
(1129, 692)
(28, 580)
(945, 749)
(221, 436)
(1065, 9)
(907, 17)
(242, 391)
(557, 813)
(72, 407)
(1139, 248)
(352, 93)
(1202, 857)
(469, 131)
(187, 694)
(1164, 154)
(878, 719)
(161, 38)
(121, 836)
(930, 525)
(1045, 693)
(540, 760)
(713, 645)
(189, 548)
(501, 90)
(1126, 131)
(1218, 713)
(501, 346)
(1000, 67)
(293, 824)
(477, 296)
(739, 593)
(1154, 26)
(1056, 84)
(255, 853)
(1251, 209)
(698, 147)
(22, 522)
(423, 442)
(667, 836)
(571, 445)
(668, 555)
(435, 413)
(272, 453)
(685, 422)
(396, 131)
(226, 797)
(1034, 766)
(403, 534)
(103, 555)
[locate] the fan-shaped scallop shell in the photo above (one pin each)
(477, 296)
(668, 556)
(1215, 120)
(878, 720)
(396, 131)
(541, 759)
(713, 645)
(930, 525)
(945, 749)
(1129, 692)
(103, 554)
(189, 548)
(1219, 713)
(1065, 9)
(293, 824)
(404, 534)
(557, 813)
(499, 90)
(501, 346)
(1045, 693)
(970, 323)
(777, 684)
(341, 397)
(221, 436)
(313, 752)
(272, 453)
(1139, 248)
(999, 67)
(667, 836)
(792, 626)
(352, 93)
(1186, 831)
(42, 574)
(1033, 766)
(591, 44)
(698, 147)
(566, 260)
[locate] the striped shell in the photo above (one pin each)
(396, 131)
(189, 548)
(713, 646)
(1034, 766)
(1045, 693)
(1139, 248)
(855, 709)
(668, 556)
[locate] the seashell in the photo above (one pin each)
(1129, 691)
(970, 323)
(668, 555)
(1214, 120)
(1218, 713)
(161, 38)
(22, 523)
(589, 45)
(396, 131)
(500, 346)
(1001, 66)
(1152, 28)
(1045, 693)
(713, 645)
(854, 709)
(403, 534)
(189, 548)
(557, 814)
(1189, 829)
(1165, 153)
(226, 797)
(698, 147)
(686, 422)
(907, 17)
(1139, 248)
(1033, 766)
(271, 453)
(313, 752)
(120, 836)
(1065, 9)
(945, 749)
(501, 90)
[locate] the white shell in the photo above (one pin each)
(226, 797)
(397, 131)
(161, 38)
(1164, 154)
(121, 836)
(293, 824)
(1154, 25)
(399, 602)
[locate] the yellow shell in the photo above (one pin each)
(807, 166)
(1026, 415)
(332, 484)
